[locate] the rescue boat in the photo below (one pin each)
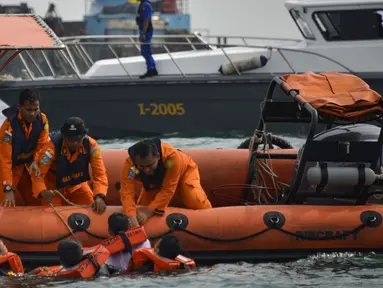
(268, 202)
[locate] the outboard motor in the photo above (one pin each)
(346, 133)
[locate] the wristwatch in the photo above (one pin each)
(8, 188)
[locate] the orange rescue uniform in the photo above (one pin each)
(12, 172)
(181, 178)
(80, 193)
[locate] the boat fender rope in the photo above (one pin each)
(369, 218)
(71, 203)
(66, 225)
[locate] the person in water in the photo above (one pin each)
(68, 155)
(71, 254)
(117, 223)
(167, 250)
(165, 172)
(22, 137)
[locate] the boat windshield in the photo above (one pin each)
(350, 25)
(302, 25)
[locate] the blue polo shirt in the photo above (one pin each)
(145, 13)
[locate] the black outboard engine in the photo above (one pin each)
(346, 133)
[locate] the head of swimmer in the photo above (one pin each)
(70, 253)
(169, 247)
(117, 223)
(29, 105)
(147, 156)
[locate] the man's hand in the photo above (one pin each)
(133, 223)
(40, 269)
(3, 248)
(47, 194)
(99, 204)
(34, 168)
(9, 199)
(143, 215)
(142, 37)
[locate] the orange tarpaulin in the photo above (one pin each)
(26, 31)
(337, 94)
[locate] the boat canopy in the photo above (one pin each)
(26, 32)
(20, 32)
(332, 93)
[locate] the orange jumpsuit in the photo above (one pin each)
(181, 179)
(11, 176)
(81, 193)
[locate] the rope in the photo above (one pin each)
(66, 225)
(69, 202)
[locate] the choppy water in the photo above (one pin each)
(322, 270)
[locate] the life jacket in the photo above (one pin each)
(23, 149)
(151, 182)
(11, 261)
(94, 258)
(139, 20)
(125, 240)
(70, 174)
(141, 256)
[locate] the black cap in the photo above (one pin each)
(74, 127)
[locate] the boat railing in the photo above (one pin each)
(82, 52)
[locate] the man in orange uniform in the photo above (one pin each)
(68, 155)
(22, 136)
(164, 172)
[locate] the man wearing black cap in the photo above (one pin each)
(68, 156)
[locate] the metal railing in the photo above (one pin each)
(82, 52)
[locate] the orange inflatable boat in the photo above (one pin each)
(268, 202)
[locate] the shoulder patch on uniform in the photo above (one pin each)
(169, 163)
(95, 152)
(132, 173)
(46, 126)
(45, 159)
(7, 138)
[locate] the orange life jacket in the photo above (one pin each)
(94, 256)
(143, 255)
(125, 240)
(13, 261)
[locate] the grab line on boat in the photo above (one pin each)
(273, 221)
(66, 225)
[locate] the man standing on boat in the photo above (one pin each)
(165, 172)
(145, 27)
(68, 155)
(22, 136)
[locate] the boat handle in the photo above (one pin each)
(372, 219)
(177, 222)
(274, 220)
(79, 222)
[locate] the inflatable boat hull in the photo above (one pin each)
(230, 231)
(217, 234)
